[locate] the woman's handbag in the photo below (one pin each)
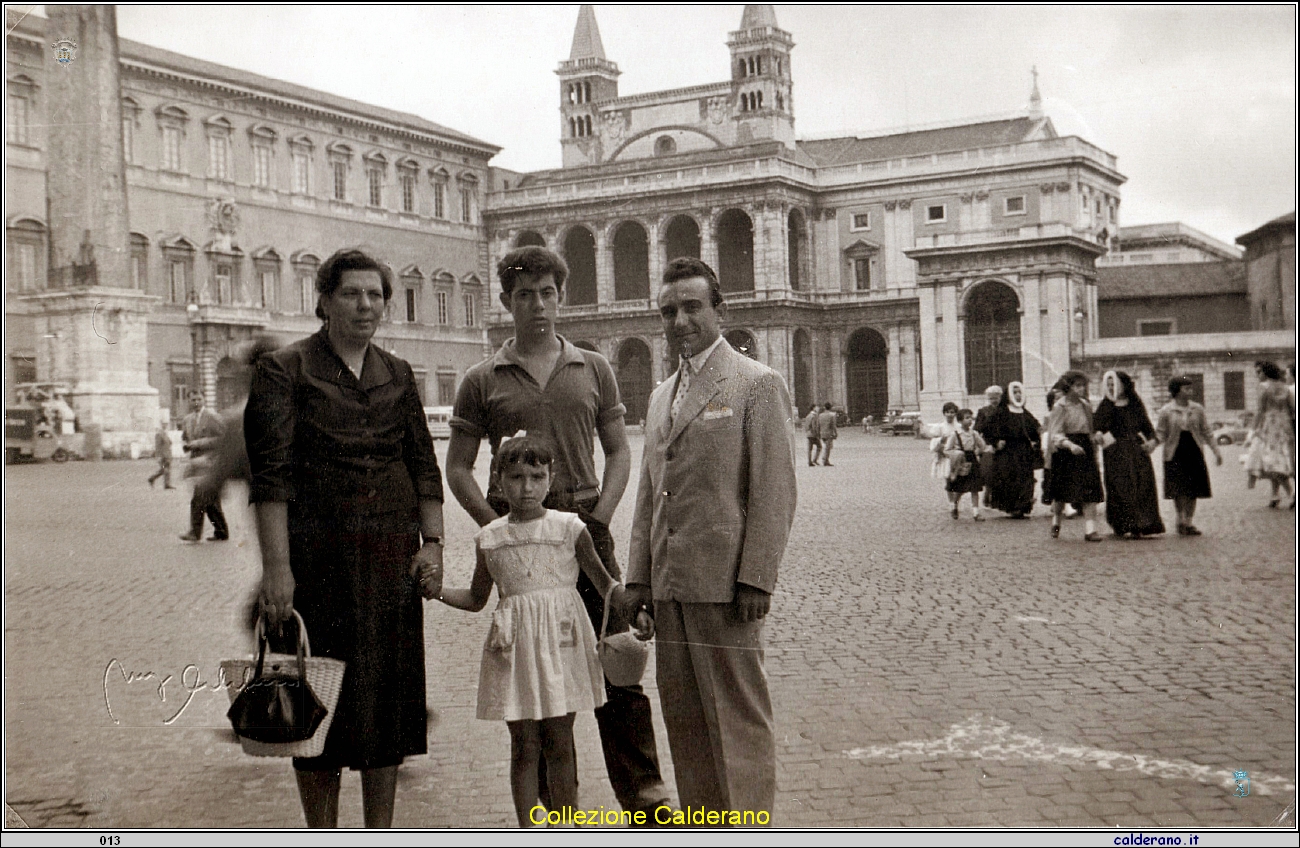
(622, 656)
(958, 464)
(282, 705)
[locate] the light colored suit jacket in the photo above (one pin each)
(716, 496)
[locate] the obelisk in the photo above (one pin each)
(94, 321)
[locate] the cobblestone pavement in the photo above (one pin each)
(925, 671)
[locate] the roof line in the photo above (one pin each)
(904, 129)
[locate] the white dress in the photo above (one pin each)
(539, 660)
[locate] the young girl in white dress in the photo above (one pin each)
(539, 663)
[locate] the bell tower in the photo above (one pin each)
(760, 77)
(586, 79)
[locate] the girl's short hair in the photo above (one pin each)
(951, 407)
(962, 413)
(1269, 369)
(524, 450)
(1177, 384)
(1069, 378)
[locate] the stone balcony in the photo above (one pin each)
(975, 238)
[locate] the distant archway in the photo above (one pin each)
(743, 341)
(580, 255)
(804, 395)
(992, 336)
(631, 262)
(634, 380)
(681, 238)
(530, 238)
(735, 251)
(867, 374)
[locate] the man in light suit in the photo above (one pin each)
(714, 507)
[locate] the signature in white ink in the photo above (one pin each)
(191, 683)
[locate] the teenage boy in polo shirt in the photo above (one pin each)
(541, 383)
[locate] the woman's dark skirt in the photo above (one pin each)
(1011, 485)
(1186, 475)
(1131, 502)
(1075, 479)
(973, 481)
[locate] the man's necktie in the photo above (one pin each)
(683, 385)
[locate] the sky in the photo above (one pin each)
(1198, 102)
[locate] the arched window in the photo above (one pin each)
(742, 341)
(735, 251)
(681, 238)
(27, 253)
(586, 97)
(665, 145)
(632, 369)
(580, 255)
(992, 336)
(631, 262)
(139, 262)
(586, 120)
(741, 68)
(866, 372)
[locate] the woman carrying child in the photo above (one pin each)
(539, 664)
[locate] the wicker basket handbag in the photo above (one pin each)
(283, 697)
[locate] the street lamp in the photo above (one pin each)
(192, 310)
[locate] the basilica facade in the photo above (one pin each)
(894, 272)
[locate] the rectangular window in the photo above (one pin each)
(307, 293)
(375, 177)
(139, 271)
(177, 288)
(24, 267)
(936, 214)
(446, 389)
(469, 309)
(439, 200)
(218, 158)
(442, 307)
(262, 166)
(861, 221)
(301, 173)
(16, 125)
(408, 192)
(466, 205)
(1163, 327)
(340, 180)
(410, 306)
(270, 282)
(862, 273)
(222, 277)
(1234, 390)
(1111, 213)
(1014, 205)
(128, 140)
(171, 149)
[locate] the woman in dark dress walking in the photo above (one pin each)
(1012, 432)
(1072, 456)
(348, 498)
(1182, 429)
(1132, 505)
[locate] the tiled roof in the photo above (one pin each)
(586, 37)
(1125, 282)
(843, 151)
(1283, 222)
(135, 51)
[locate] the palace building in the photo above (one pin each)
(236, 188)
(896, 271)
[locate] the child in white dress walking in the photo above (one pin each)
(539, 663)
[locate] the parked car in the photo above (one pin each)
(904, 424)
(439, 420)
(1230, 434)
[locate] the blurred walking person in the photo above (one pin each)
(1182, 429)
(197, 427)
(828, 430)
(1132, 505)
(1272, 442)
(814, 435)
(162, 449)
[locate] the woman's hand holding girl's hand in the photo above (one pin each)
(1074, 449)
(426, 566)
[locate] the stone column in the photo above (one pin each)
(604, 267)
(893, 255)
(90, 310)
(983, 216)
(895, 368)
(708, 240)
(1031, 335)
(950, 352)
(835, 392)
(657, 261)
(907, 365)
(929, 342)
(905, 239)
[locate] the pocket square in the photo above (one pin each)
(716, 412)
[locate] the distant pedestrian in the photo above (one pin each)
(1272, 442)
(814, 436)
(1183, 431)
(1073, 456)
(939, 444)
(965, 448)
(201, 424)
(1132, 507)
(829, 432)
(162, 449)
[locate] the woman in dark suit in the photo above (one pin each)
(348, 498)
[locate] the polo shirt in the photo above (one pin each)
(498, 398)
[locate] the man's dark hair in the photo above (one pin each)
(686, 267)
(962, 413)
(523, 450)
(531, 263)
(828, 404)
(1176, 386)
(1269, 369)
(330, 275)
